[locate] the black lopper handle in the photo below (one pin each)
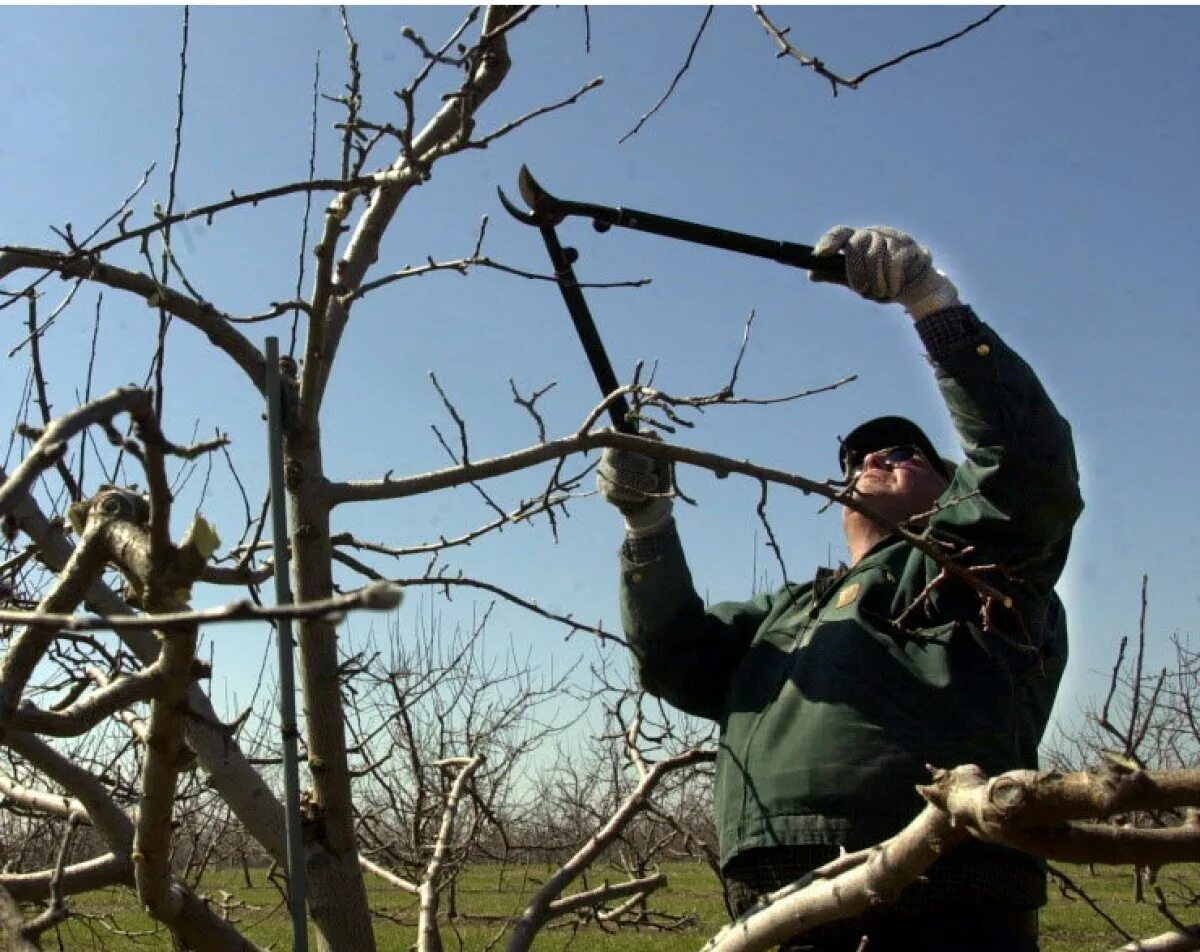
(831, 268)
(548, 209)
(585, 327)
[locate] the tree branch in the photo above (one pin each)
(675, 82)
(815, 64)
(201, 315)
(539, 910)
(380, 596)
(448, 130)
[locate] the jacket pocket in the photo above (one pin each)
(761, 672)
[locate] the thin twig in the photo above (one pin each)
(62, 306)
(1138, 660)
(817, 66)
(529, 405)
(39, 380)
(87, 386)
(464, 459)
(123, 211)
(737, 364)
(312, 169)
(461, 265)
(56, 912)
(523, 513)
(484, 141)
(1068, 884)
(446, 582)
(675, 82)
(353, 98)
(772, 542)
(510, 24)
(164, 317)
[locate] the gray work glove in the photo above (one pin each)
(884, 264)
(639, 486)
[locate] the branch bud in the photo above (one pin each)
(382, 596)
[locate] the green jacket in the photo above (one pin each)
(829, 709)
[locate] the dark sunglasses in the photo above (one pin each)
(892, 456)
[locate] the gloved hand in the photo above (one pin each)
(884, 264)
(639, 486)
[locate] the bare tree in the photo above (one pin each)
(627, 817)
(336, 896)
(443, 735)
(1144, 722)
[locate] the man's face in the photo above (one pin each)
(898, 482)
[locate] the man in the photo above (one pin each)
(833, 696)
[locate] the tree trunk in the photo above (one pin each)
(337, 895)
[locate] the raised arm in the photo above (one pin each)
(683, 653)
(1019, 484)
(1016, 496)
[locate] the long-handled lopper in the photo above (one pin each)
(546, 211)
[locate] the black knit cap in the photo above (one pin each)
(885, 432)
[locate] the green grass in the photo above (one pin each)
(1068, 925)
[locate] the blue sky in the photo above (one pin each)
(1048, 159)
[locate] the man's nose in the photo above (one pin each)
(874, 460)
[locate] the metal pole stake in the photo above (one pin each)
(297, 874)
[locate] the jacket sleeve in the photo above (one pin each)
(683, 653)
(1016, 497)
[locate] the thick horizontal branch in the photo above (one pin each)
(1024, 799)
(338, 493)
(844, 889)
(111, 869)
(49, 804)
(964, 802)
(378, 596)
(587, 439)
(1108, 845)
(238, 574)
(90, 709)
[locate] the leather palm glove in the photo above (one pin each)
(884, 264)
(639, 486)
